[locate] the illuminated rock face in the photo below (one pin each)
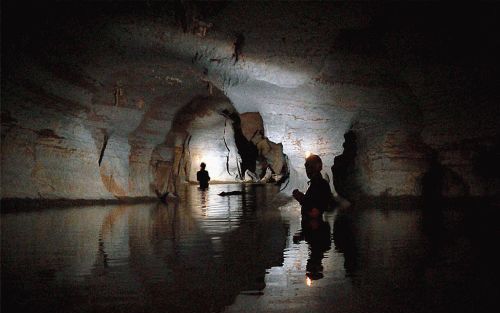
(119, 103)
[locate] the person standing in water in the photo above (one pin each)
(315, 231)
(319, 195)
(202, 176)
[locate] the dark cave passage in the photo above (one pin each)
(246, 149)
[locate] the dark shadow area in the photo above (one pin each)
(432, 196)
(246, 149)
(487, 166)
(343, 168)
(344, 238)
(449, 34)
(481, 226)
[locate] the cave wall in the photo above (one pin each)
(406, 78)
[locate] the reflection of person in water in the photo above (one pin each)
(319, 195)
(316, 233)
(202, 176)
(432, 196)
(344, 238)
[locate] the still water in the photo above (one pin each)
(244, 253)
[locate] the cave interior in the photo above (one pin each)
(115, 100)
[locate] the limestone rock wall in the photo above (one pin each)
(78, 77)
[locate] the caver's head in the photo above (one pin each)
(203, 165)
(313, 165)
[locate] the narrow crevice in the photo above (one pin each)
(228, 150)
(261, 159)
(246, 149)
(104, 144)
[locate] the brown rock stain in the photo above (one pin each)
(110, 183)
(163, 171)
(48, 134)
(251, 122)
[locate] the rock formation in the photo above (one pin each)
(110, 100)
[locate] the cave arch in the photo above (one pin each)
(209, 129)
(198, 133)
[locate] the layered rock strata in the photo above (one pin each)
(101, 101)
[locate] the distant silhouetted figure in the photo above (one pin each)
(319, 195)
(202, 176)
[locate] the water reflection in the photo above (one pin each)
(245, 253)
(191, 256)
(318, 236)
(345, 240)
(381, 260)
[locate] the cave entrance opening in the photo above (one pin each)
(233, 146)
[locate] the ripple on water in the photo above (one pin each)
(238, 253)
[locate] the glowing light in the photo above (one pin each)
(308, 153)
(309, 282)
(216, 165)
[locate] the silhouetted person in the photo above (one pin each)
(316, 232)
(319, 195)
(202, 176)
